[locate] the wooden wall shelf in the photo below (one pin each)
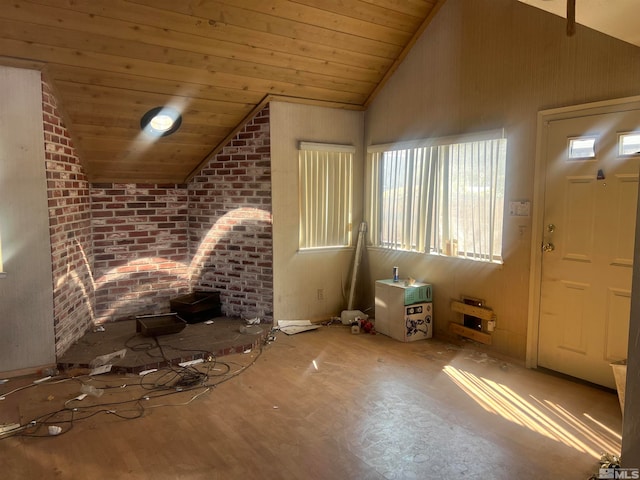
(476, 335)
(485, 314)
(480, 312)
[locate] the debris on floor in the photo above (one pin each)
(479, 357)
(608, 463)
(348, 317)
(291, 327)
(105, 359)
(250, 329)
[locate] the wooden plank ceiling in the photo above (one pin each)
(216, 61)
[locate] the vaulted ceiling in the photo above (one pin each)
(216, 61)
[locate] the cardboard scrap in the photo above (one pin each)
(291, 327)
(104, 359)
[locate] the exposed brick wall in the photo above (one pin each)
(140, 247)
(120, 250)
(70, 230)
(230, 223)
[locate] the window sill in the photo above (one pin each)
(457, 258)
(307, 251)
(3, 274)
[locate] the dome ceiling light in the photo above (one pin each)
(160, 121)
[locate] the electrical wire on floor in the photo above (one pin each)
(48, 381)
(163, 383)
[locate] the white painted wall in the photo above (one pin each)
(481, 65)
(26, 292)
(298, 276)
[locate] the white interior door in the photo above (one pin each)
(589, 230)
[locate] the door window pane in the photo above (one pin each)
(629, 144)
(584, 147)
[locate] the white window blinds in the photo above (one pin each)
(403, 193)
(325, 176)
(442, 196)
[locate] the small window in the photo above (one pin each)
(583, 147)
(326, 174)
(629, 144)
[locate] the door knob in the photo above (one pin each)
(548, 247)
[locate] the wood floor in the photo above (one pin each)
(325, 404)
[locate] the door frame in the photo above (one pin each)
(537, 219)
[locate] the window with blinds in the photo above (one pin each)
(325, 179)
(440, 196)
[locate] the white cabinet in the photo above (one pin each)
(404, 312)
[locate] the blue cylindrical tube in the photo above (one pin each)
(396, 275)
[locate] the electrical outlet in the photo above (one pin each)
(320, 294)
(522, 229)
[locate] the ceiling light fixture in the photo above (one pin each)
(161, 121)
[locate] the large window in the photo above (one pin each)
(326, 173)
(442, 196)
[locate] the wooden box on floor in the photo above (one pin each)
(156, 325)
(197, 306)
